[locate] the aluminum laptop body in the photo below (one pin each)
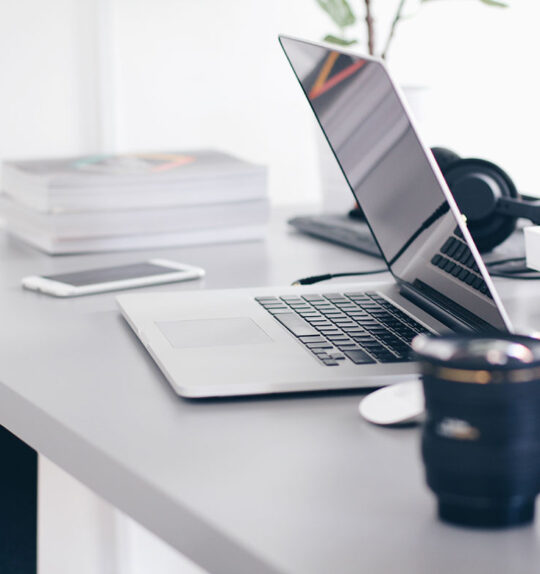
(277, 340)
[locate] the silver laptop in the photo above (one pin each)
(276, 340)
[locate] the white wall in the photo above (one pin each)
(185, 73)
(47, 78)
(481, 64)
(211, 73)
(208, 73)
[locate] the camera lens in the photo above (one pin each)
(481, 437)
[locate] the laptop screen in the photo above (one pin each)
(415, 224)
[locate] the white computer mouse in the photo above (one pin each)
(402, 403)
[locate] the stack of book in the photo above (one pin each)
(105, 203)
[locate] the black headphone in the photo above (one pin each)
(487, 196)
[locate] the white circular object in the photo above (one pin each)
(396, 404)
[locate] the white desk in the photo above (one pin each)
(297, 485)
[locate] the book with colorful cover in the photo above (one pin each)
(132, 180)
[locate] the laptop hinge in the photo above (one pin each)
(443, 309)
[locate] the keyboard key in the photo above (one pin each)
(362, 326)
(462, 252)
(347, 347)
(453, 248)
(279, 310)
(357, 313)
(478, 282)
(383, 355)
(469, 261)
(295, 324)
(319, 345)
(353, 332)
(345, 324)
(448, 243)
(404, 332)
(359, 357)
(373, 344)
(312, 339)
(450, 266)
(339, 342)
(363, 338)
(333, 296)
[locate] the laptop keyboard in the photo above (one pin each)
(340, 327)
(455, 258)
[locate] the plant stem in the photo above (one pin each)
(370, 28)
(395, 22)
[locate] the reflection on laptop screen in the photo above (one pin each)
(392, 179)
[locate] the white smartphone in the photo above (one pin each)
(152, 272)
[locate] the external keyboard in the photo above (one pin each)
(359, 327)
(342, 229)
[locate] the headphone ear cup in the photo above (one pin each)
(477, 185)
(444, 157)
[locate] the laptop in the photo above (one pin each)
(336, 336)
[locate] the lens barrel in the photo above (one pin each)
(481, 437)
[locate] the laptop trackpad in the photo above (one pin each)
(212, 332)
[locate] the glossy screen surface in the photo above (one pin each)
(110, 274)
(393, 180)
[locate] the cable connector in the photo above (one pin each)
(328, 276)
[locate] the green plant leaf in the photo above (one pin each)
(331, 39)
(340, 11)
(495, 3)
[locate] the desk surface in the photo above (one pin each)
(297, 485)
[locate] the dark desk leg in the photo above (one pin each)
(18, 506)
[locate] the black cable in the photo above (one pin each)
(503, 261)
(523, 273)
(520, 271)
(517, 276)
(507, 274)
(327, 276)
(520, 277)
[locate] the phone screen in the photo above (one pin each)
(109, 274)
